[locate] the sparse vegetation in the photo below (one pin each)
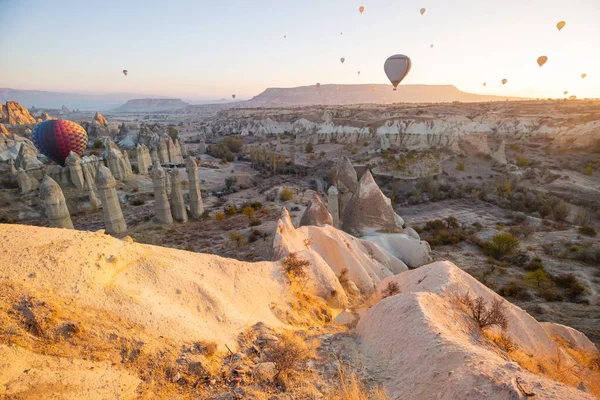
(391, 289)
(237, 238)
(286, 195)
(220, 216)
(308, 148)
(290, 353)
(501, 245)
(460, 166)
(477, 308)
(295, 267)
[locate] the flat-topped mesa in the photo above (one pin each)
(115, 161)
(316, 214)
(196, 204)
(143, 159)
(346, 174)
(370, 210)
(55, 206)
(333, 205)
(162, 208)
(177, 202)
(26, 183)
(113, 215)
(73, 162)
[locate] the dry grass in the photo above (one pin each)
(291, 353)
(352, 388)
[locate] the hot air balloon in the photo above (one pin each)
(542, 60)
(566, 92)
(396, 68)
(318, 85)
(56, 138)
(561, 25)
(422, 11)
(125, 72)
(285, 37)
(583, 76)
(373, 89)
(342, 60)
(431, 46)
(233, 96)
(361, 9)
(484, 84)
(359, 72)
(504, 81)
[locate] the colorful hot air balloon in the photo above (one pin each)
(373, 89)
(583, 76)
(56, 138)
(125, 72)
(396, 68)
(422, 11)
(484, 84)
(542, 60)
(561, 25)
(431, 46)
(318, 85)
(504, 81)
(342, 60)
(358, 72)
(566, 92)
(233, 96)
(361, 9)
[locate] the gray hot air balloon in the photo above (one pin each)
(396, 68)
(233, 96)
(125, 72)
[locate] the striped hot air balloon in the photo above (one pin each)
(56, 138)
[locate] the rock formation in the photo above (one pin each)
(113, 215)
(177, 202)
(99, 118)
(89, 165)
(316, 213)
(333, 205)
(4, 133)
(73, 162)
(162, 208)
(127, 163)
(500, 155)
(14, 113)
(65, 110)
(174, 151)
(202, 146)
(182, 148)
(346, 174)
(115, 161)
(370, 210)
(196, 205)
(55, 206)
(155, 158)
(143, 159)
(384, 142)
(45, 116)
(26, 183)
(163, 151)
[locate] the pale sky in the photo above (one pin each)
(199, 49)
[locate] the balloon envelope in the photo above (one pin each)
(561, 25)
(566, 92)
(431, 46)
(396, 68)
(484, 84)
(373, 89)
(56, 138)
(542, 60)
(422, 11)
(504, 81)
(342, 60)
(361, 9)
(125, 72)
(233, 96)
(583, 76)
(359, 72)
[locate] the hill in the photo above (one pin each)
(151, 105)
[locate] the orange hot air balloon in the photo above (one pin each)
(504, 81)
(422, 11)
(342, 60)
(566, 92)
(583, 76)
(373, 89)
(484, 84)
(542, 60)
(361, 9)
(561, 25)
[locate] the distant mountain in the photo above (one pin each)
(41, 99)
(151, 105)
(359, 94)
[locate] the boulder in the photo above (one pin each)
(316, 213)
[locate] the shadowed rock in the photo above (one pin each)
(196, 205)
(500, 155)
(177, 203)
(370, 210)
(55, 206)
(182, 148)
(346, 174)
(316, 214)
(333, 205)
(73, 162)
(115, 161)
(162, 208)
(113, 215)
(163, 151)
(26, 183)
(143, 159)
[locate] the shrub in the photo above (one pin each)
(137, 202)
(290, 353)
(230, 182)
(308, 148)
(522, 162)
(501, 245)
(230, 209)
(460, 167)
(248, 212)
(537, 278)
(234, 144)
(588, 231)
(295, 268)
(286, 195)
(514, 289)
(573, 288)
(391, 289)
(485, 316)
(98, 144)
(172, 132)
(534, 265)
(589, 170)
(255, 222)
(237, 238)
(550, 294)
(220, 216)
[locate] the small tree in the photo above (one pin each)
(482, 314)
(172, 132)
(501, 245)
(391, 289)
(538, 278)
(295, 268)
(589, 170)
(308, 148)
(248, 212)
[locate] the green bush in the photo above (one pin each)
(589, 170)
(534, 265)
(588, 231)
(230, 209)
(501, 245)
(286, 195)
(522, 162)
(172, 132)
(308, 148)
(573, 288)
(234, 144)
(538, 278)
(460, 167)
(515, 290)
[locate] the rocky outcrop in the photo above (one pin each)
(45, 116)
(182, 148)
(500, 155)
(346, 174)
(162, 208)
(174, 151)
(14, 113)
(4, 133)
(115, 161)
(73, 162)
(26, 183)
(316, 213)
(413, 252)
(143, 159)
(333, 205)
(196, 204)
(55, 206)
(163, 151)
(113, 215)
(370, 210)
(100, 120)
(65, 110)
(178, 209)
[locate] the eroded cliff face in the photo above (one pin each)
(416, 127)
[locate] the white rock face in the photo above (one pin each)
(413, 252)
(421, 332)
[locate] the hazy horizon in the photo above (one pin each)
(206, 51)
